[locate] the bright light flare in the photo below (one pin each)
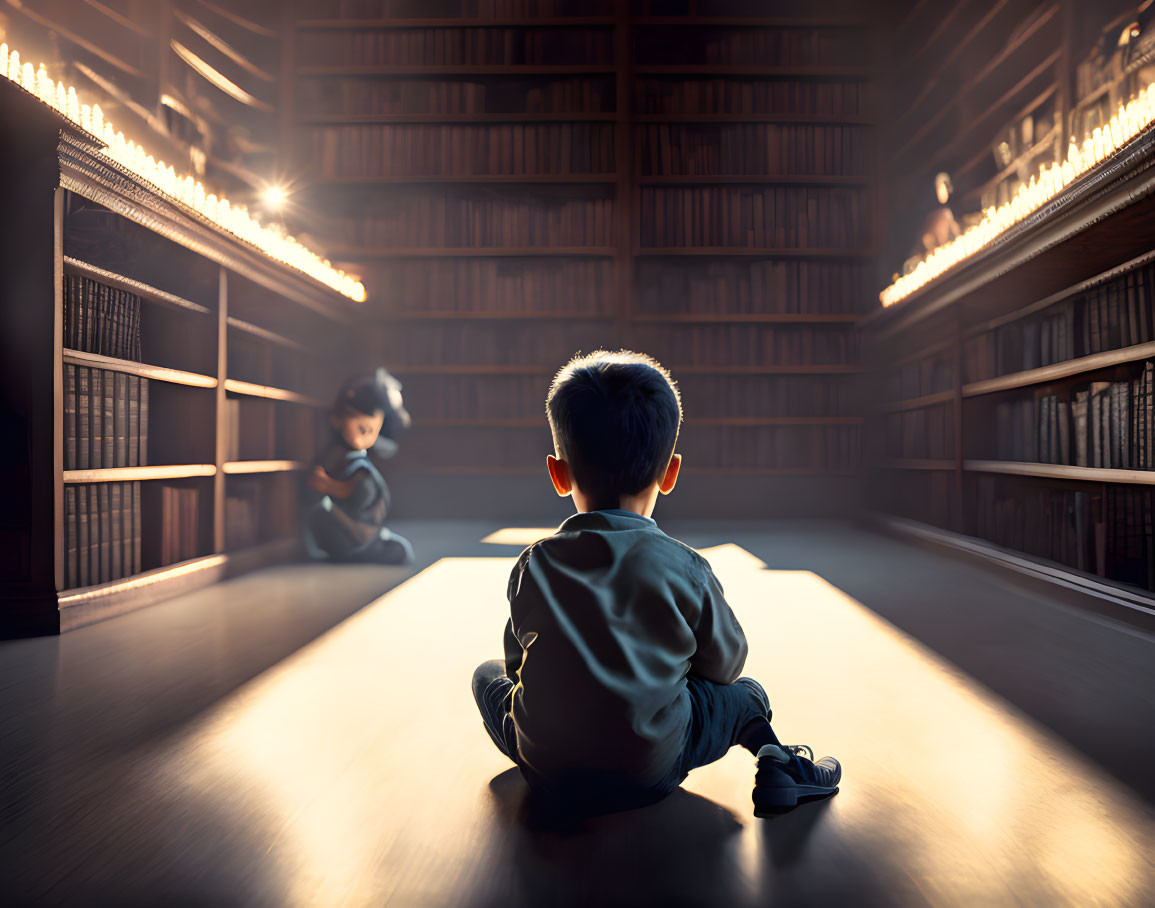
(274, 197)
(1128, 122)
(234, 219)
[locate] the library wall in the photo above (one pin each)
(520, 182)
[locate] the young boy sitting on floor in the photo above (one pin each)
(622, 658)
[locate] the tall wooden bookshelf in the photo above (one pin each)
(162, 382)
(1012, 396)
(530, 180)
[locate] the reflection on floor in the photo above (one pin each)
(228, 749)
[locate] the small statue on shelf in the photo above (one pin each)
(939, 227)
(347, 523)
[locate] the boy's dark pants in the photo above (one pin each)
(718, 712)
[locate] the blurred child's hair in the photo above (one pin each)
(615, 420)
(379, 392)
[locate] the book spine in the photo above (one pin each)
(69, 416)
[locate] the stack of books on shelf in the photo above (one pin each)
(829, 97)
(450, 46)
(761, 396)
(1103, 424)
(367, 96)
(406, 150)
(1109, 533)
(925, 433)
(729, 46)
(752, 149)
(102, 532)
(929, 375)
(754, 216)
(1112, 316)
(750, 345)
(105, 419)
(101, 319)
(465, 218)
(747, 287)
(545, 344)
(174, 510)
(820, 449)
(501, 285)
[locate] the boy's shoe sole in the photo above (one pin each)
(776, 791)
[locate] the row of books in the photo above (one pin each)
(102, 532)
(745, 46)
(734, 95)
(105, 419)
(786, 217)
(1113, 315)
(746, 287)
(457, 219)
(706, 149)
(827, 449)
(820, 449)
(1109, 533)
(1106, 424)
(450, 46)
(927, 432)
(577, 286)
(257, 429)
(749, 345)
(101, 319)
(258, 508)
(501, 397)
(465, 9)
(930, 375)
(512, 94)
(175, 524)
(469, 150)
(549, 345)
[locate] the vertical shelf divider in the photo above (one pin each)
(219, 411)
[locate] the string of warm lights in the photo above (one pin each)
(1130, 120)
(185, 189)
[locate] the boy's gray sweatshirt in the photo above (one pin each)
(608, 616)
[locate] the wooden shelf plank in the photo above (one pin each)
(447, 70)
(450, 118)
(465, 369)
(133, 474)
(463, 315)
(377, 252)
(157, 576)
(917, 403)
(844, 119)
(1078, 366)
(535, 422)
(266, 334)
(474, 22)
(127, 284)
(833, 369)
(251, 389)
(1061, 471)
(234, 467)
(749, 21)
(354, 180)
(918, 464)
(770, 179)
(766, 253)
(156, 373)
(769, 318)
(773, 72)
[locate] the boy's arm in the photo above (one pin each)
(513, 653)
(721, 644)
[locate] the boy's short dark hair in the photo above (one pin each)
(615, 420)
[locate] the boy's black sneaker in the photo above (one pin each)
(789, 774)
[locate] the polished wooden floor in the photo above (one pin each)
(306, 736)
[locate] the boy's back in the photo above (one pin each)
(608, 616)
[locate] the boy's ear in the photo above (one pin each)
(559, 473)
(670, 477)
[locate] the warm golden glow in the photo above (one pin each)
(350, 788)
(519, 535)
(271, 239)
(1126, 124)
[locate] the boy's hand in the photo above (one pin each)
(319, 480)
